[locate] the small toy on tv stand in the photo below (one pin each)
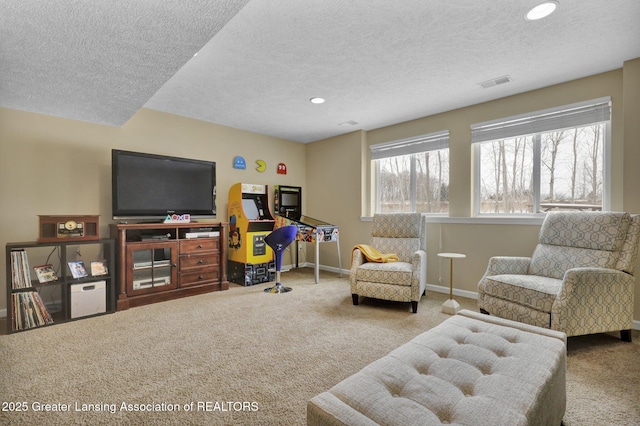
(178, 218)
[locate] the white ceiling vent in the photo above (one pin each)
(495, 81)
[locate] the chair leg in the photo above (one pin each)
(625, 335)
(414, 306)
(355, 299)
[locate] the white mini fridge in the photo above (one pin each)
(88, 299)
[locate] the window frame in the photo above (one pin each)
(410, 146)
(530, 119)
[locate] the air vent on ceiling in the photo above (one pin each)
(495, 81)
(348, 123)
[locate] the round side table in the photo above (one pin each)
(450, 306)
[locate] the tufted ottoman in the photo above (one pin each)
(472, 369)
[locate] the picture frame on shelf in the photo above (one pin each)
(77, 269)
(99, 268)
(45, 273)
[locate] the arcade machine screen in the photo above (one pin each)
(250, 209)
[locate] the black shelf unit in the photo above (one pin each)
(61, 310)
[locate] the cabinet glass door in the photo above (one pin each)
(153, 268)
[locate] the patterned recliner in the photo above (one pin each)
(404, 234)
(579, 279)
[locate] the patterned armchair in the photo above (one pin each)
(405, 235)
(579, 279)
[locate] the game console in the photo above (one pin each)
(148, 282)
(200, 233)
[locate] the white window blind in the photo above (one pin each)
(424, 143)
(568, 116)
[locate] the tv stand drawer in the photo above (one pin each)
(197, 245)
(199, 277)
(198, 261)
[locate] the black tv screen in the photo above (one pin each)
(153, 186)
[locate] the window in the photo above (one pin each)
(548, 160)
(412, 175)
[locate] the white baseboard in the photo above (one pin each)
(312, 265)
(431, 287)
(456, 292)
(462, 293)
(473, 295)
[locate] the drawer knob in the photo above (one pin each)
(200, 262)
(199, 245)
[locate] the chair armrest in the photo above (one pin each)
(594, 277)
(419, 280)
(357, 259)
(499, 265)
(419, 262)
(586, 291)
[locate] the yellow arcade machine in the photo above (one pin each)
(250, 259)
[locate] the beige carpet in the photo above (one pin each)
(246, 357)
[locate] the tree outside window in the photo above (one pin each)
(417, 180)
(559, 169)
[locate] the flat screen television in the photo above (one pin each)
(149, 186)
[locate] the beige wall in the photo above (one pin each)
(50, 165)
(481, 241)
(333, 189)
(631, 114)
(56, 166)
(458, 123)
(478, 239)
(631, 170)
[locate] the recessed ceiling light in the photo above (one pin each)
(541, 11)
(316, 100)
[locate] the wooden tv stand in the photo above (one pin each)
(163, 261)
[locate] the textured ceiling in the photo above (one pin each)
(97, 60)
(377, 62)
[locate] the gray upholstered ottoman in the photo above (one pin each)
(472, 369)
